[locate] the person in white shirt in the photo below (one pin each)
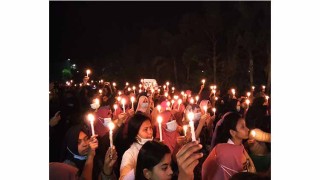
(139, 132)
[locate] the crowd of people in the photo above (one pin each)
(158, 133)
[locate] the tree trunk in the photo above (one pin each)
(251, 68)
(175, 71)
(214, 64)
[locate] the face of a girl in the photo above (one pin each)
(83, 144)
(145, 130)
(162, 171)
(242, 132)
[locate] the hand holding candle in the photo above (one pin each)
(91, 119)
(159, 119)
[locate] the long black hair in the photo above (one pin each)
(150, 154)
(230, 121)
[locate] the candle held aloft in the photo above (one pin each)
(123, 101)
(91, 119)
(185, 128)
(111, 127)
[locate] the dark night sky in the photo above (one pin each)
(84, 30)
(109, 38)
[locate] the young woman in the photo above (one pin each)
(154, 161)
(228, 155)
(139, 132)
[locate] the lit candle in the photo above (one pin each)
(233, 92)
(166, 94)
(191, 124)
(127, 84)
(159, 108)
(129, 89)
(252, 88)
(185, 128)
(114, 84)
(267, 98)
(248, 94)
(132, 100)
(119, 98)
(168, 85)
(140, 85)
(100, 91)
(216, 98)
(182, 93)
(168, 105)
(115, 106)
(173, 89)
(88, 72)
(179, 102)
(248, 103)
(214, 87)
(191, 101)
(197, 98)
(119, 93)
(253, 133)
(164, 87)
(140, 90)
(91, 119)
(172, 102)
(134, 89)
(101, 80)
(203, 81)
(159, 119)
(205, 109)
(211, 87)
(175, 97)
(111, 127)
(214, 92)
(263, 87)
(123, 101)
(214, 111)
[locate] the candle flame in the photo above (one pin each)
(132, 99)
(159, 119)
(115, 106)
(190, 116)
(90, 117)
(179, 101)
(214, 109)
(111, 126)
(123, 101)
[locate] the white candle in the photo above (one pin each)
(205, 109)
(233, 92)
(168, 106)
(197, 98)
(115, 106)
(248, 103)
(111, 127)
(88, 72)
(132, 100)
(214, 111)
(100, 91)
(159, 108)
(91, 119)
(191, 124)
(134, 89)
(123, 101)
(159, 119)
(185, 128)
(114, 84)
(127, 84)
(248, 94)
(172, 102)
(214, 92)
(203, 81)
